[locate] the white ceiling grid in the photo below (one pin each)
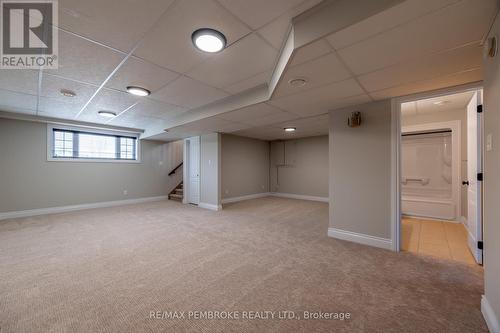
(414, 46)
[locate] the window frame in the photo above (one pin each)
(90, 130)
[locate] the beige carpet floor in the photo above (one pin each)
(106, 270)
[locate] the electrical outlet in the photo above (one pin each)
(160, 163)
(489, 142)
(226, 191)
(125, 192)
(263, 187)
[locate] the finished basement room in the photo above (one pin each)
(249, 166)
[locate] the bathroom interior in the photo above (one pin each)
(434, 175)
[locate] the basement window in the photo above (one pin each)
(88, 145)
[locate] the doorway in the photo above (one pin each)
(192, 170)
(440, 172)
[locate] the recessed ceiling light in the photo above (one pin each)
(290, 129)
(67, 93)
(208, 40)
(297, 82)
(107, 114)
(138, 91)
(441, 102)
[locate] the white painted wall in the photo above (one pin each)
(28, 181)
(360, 174)
(244, 166)
(491, 302)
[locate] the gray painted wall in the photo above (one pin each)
(210, 171)
(29, 181)
(360, 170)
(244, 166)
(449, 115)
(492, 181)
(309, 174)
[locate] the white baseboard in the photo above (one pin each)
(299, 196)
(489, 316)
(431, 218)
(245, 197)
(463, 220)
(209, 206)
(63, 209)
(383, 243)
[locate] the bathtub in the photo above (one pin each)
(434, 205)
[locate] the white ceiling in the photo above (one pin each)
(445, 103)
(106, 45)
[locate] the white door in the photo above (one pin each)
(194, 170)
(474, 167)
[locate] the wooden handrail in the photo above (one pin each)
(175, 169)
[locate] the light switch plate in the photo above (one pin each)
(489, 142)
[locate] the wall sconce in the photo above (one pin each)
(354, 119)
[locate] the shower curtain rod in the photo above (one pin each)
(429, 132)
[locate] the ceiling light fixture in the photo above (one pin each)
(107, 114)
(290, 129)
(67, 93)
(138, 91)
(209, 40)
(297, 82)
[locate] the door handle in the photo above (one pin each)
(465, 183)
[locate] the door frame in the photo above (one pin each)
(396, 150)
(185, 169)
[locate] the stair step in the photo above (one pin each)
(179, 191)
(176, 196)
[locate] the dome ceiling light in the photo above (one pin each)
(138, 91)
(107, 114)
(209, 40)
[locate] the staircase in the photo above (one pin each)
(178, 193)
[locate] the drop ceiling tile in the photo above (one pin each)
(16, 102)
(318, 72)
(276, 31)
(108, 100)
(119, 24)
(474, 75)
(319, 100)
(249, 83)
(262, 133)
(19, 80)
(53, 104)
(249, 113)
(397, 15)
(256, 13)
(453, 26)
(188, 93)
(135, 121)
(258, 115)
(207, 125)
(310, 52)
(84, 61)
(151, 108)
(137, 72)
(169, 43)
(243, 59)
(274, 118)
(456, 60)
(451, 102)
